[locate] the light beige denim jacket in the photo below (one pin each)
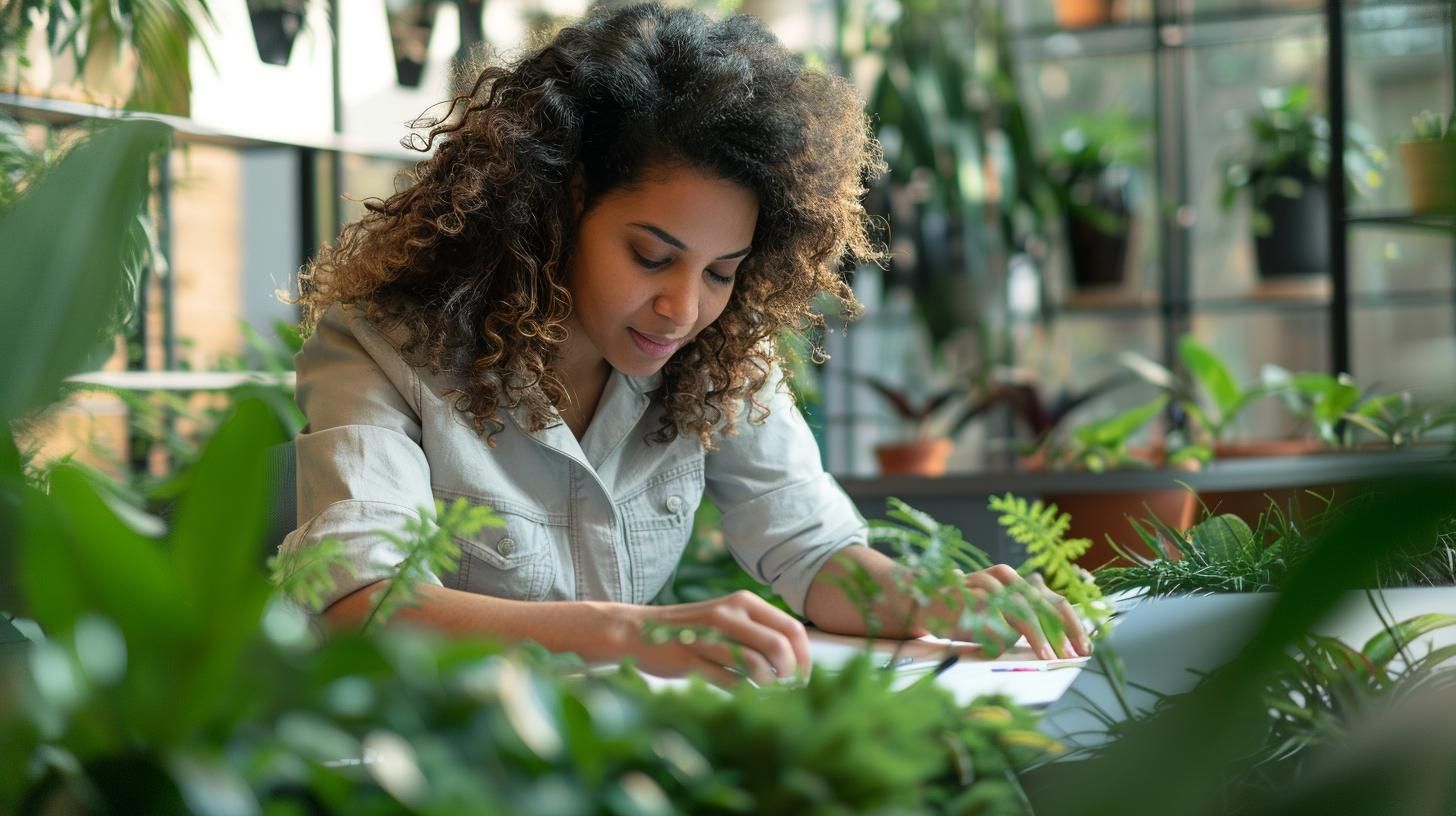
(606, 518)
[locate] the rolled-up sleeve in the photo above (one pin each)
(361, 472)
(783, 515)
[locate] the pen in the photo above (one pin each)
(1020, 669)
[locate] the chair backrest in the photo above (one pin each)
(283, 514)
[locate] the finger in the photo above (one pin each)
(737, 657)
(1003, 573)
(768, 642)
(1076, 640)
(714, 673)
(1022, 619)
(1076, 634)
(765, 613)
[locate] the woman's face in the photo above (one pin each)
(654, 265)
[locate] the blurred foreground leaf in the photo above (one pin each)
(57, 294)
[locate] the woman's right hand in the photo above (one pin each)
(754, 637)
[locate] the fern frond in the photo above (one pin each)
(1042, 529)
(430, 549)
(306, 575)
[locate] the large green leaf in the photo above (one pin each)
(64, 242)
(217, 534)
(79, 556)
(1209, 371)
(1114, 431)
(1225, 538)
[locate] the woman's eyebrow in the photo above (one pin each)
(669, 238)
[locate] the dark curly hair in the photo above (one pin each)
(467, 262)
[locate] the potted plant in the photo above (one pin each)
(927, 446)
(1429, 159)
(1101, 510)
(1093, 167)
(1085, 13)
(1284, 169)
(276, 24)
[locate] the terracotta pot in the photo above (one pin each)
(921, 457)
(1100, 515)
(1430, 172)
(1268, 447)
(1083, 13)
(1250, 504)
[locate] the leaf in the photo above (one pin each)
(1209, 371)
(64, 242)
(1224, 538)
(1114, 431)
(1386, 644)
(217, 535)
(78, 557)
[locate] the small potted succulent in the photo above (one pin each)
(1284, 168)
(1093, 170)
(1429, 159)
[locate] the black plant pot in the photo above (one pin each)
(1098, 237)
(274, 30)
(1298, 243)
(1098, 258)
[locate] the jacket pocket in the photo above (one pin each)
(658, 521)
(516, 561)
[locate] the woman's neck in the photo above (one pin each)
(584, 373)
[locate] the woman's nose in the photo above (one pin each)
(678, 300)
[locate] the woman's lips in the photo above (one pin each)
(653, 345)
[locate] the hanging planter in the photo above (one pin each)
(276, 24)
(411, 22)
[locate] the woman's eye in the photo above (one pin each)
(648, 262)
(721, 280)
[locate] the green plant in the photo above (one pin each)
(941, 95)
(1092, 162)
(1042, 530)
(1429, 126)
(1222, 553)
(1339, 409)
(1397, 420)
(161, 31)
(1322, 693)
(1288, 148)
(1207, 391)
(931, 418)
(1380, 768)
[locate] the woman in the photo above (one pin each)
(568, 316)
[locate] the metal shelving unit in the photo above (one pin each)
(1170, 34)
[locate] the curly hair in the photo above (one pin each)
(467, 262)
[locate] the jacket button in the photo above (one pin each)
(505, 546)
(674, 504)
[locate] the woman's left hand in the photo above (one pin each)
(1003, 580)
